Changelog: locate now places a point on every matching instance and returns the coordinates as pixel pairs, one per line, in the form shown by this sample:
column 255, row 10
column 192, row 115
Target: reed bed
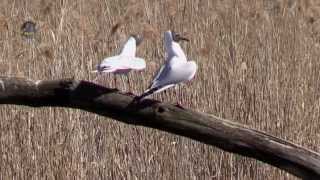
column 258, row 64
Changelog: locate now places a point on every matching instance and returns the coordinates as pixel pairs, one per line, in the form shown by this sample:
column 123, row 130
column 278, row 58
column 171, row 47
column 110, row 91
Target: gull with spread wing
column 177, row 69
column 125, row 61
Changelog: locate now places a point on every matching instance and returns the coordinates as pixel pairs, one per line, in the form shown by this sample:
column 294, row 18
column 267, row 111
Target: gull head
column 177, row 37
column 101, row 68
column 138, row 39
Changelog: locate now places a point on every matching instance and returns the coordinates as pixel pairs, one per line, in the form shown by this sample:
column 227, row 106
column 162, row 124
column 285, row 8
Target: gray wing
column 170, row 75
column 174, row 73
column 162, row 73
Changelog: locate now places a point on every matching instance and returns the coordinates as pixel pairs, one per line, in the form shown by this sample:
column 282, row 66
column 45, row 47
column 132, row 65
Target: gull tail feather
column 147, row 93
column 152, row 91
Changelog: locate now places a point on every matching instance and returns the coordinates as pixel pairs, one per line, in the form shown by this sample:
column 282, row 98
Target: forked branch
column 208, row 129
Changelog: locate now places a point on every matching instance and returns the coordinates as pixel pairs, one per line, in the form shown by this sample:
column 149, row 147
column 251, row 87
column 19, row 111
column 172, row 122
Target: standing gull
column 176, row 68
column 125, row 61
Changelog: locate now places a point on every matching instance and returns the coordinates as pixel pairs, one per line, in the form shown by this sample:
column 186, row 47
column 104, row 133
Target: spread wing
column 177, row 50
column 136, row 63
column 173, row 48
column 129, row 49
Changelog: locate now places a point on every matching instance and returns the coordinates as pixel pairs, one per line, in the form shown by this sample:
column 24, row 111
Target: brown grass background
column 258, row 65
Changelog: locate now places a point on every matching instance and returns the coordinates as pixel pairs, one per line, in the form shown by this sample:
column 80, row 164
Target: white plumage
column 124, row 62
column 176, row 68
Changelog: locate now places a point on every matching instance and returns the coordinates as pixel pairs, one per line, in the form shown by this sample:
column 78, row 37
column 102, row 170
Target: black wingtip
column 137, row 99
column 145, row 94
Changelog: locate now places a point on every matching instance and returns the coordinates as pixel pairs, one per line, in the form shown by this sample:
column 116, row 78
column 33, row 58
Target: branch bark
column 208, row 129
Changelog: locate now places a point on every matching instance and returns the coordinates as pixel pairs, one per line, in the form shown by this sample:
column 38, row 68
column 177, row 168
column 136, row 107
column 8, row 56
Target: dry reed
column 258, row 65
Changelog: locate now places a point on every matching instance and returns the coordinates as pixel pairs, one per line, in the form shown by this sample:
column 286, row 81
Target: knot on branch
column 161, row 109
column 68, row 84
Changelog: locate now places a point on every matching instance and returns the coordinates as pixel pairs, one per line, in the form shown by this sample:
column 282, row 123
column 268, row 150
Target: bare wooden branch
column 202, row 127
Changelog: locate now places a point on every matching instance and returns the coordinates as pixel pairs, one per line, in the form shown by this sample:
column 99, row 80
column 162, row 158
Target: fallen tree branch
column 202, row 127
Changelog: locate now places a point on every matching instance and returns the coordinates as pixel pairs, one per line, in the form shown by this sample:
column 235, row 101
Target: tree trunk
column 208, row 129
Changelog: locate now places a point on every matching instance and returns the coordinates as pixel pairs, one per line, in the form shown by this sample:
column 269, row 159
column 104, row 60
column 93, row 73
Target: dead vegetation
column 258, row 65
